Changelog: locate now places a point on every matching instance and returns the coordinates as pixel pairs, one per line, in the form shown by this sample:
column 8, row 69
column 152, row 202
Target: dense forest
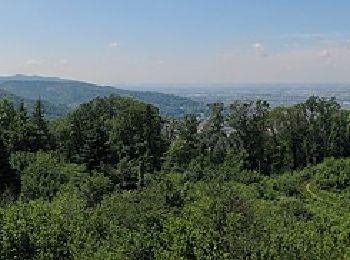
column 116, row 180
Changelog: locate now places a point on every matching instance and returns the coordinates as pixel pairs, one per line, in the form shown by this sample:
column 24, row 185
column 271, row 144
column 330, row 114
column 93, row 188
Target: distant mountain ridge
column 71, row 93
column 22, row 77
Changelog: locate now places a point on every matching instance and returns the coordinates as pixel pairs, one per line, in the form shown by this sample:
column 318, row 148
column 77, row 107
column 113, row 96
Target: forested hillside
column 72, row 93
column 115, row 180
column 51, row 110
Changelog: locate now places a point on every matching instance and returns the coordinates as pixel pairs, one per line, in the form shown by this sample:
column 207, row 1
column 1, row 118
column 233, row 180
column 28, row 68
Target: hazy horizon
column 168, row 42
column 176, row 84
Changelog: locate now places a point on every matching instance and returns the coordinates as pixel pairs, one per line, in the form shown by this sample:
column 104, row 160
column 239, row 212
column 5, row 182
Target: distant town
column 276, row 94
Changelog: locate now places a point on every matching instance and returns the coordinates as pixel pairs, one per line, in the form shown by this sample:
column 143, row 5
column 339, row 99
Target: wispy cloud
column 312, row 35
column 35, row 62
column 259, row 49
column 113, row 44
column 63, row 61
column 302, row 35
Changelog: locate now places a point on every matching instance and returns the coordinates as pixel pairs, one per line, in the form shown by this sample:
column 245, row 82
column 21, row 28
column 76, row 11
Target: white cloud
column 302, row 64
column 259, row 49
column 35, row 62
column 114, row 45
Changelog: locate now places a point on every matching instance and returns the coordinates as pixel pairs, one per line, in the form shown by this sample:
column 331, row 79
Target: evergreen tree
column 9, row 181
column 154, row 145
column 22, row 142
column 8, row 123
column 88, row 138
column 39, row 133
column 95, row 149
column 23, row 114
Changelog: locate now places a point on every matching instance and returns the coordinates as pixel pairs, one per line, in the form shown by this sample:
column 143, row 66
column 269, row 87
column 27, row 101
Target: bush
column 46, row 175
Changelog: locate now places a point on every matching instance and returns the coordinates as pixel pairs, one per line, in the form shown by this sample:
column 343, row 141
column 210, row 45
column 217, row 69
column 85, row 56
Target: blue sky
column 177, row 41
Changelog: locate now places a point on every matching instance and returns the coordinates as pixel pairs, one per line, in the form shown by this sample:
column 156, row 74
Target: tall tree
column 214, row 141
column 8, row 123
column 8, row 177
column 22, row 142
column 40, row 138
column 109, row 130
column 250, row 121
column 185, row 147
column 88, row 137
column 136, row 133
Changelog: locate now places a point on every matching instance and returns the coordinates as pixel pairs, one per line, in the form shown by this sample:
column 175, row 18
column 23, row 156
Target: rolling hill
column 51, row 110
column 72, row 93
column 22, row 77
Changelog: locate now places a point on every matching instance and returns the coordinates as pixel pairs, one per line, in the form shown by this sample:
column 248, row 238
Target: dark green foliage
column 293, row 208
column 87, row 140
column 10, row 123
column 214, row 142
column 23, row 133
column 289, row 138
column 252, row 132
column 113, row 180
column 93, row 188
column 332, row 174
column 51, row 110
column 43, row 230
column 46, row 175
column 185, row 147
column 9, row 180
column 109, row 130
column 136, row 134
column 39, row 137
